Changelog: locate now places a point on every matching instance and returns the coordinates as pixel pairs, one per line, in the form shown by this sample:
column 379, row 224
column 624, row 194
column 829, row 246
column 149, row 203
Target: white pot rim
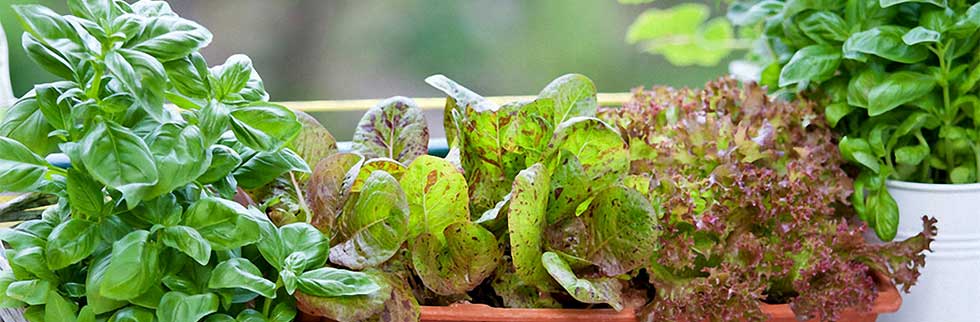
column 932, row 187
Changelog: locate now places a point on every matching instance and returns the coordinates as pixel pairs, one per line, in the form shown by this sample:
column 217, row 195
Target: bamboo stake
column 429, row 103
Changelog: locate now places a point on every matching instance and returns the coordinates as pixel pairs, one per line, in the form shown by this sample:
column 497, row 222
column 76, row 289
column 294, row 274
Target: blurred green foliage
column 311, row 49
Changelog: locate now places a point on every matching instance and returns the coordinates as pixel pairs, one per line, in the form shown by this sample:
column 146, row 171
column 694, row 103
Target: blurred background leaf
column 346, row 49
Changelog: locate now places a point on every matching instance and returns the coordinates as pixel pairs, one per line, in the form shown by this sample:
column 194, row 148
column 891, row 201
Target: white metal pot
column 949, row 288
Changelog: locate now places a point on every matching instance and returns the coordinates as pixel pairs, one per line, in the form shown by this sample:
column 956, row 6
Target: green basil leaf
column 153, row 8
column 264, row 126
column 132, row 314
column 33, row 261
column 968, row 22
column 814, row 63
column 163, row 210
column 188, row 241
column 859, row 151
column 170, row 37
column 99, row 11
column 860, row 86
column 348, row 308
column 897, row 89
column 223, row 161
column 54, row 32
column 25, row 122
column 332, row 282
column 7, row 277
column 885, row 215
column 824, row 27
column 264, row 167
column 224, row 223
column 142, row 77
column 600, row 290
column 93, row 283
column 20, row 169
column 467, row 257
column 85, row 195
column 886, row 42
column 911, row 155
column 283, row 312
column 32, row 292
column 298, row 239
column 48, row 58
column 133, row 268
column 213, row 120
column 180, row 154
column 54, row 100
column 919, row 35
column 71, row 242
column 119, row 159
column 180, row 307
column 232, row 76
column 395, row 129
column 241, row 273
column 377, row 227
column 59, row 309
column 189, row 75
column 837, row 111
column 962, row 175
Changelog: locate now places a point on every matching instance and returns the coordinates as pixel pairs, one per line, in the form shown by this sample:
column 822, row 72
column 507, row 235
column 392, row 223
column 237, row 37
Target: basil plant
column 145, row 227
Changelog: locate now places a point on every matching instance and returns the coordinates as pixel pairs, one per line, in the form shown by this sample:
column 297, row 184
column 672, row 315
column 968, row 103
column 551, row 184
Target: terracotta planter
column 888, row 301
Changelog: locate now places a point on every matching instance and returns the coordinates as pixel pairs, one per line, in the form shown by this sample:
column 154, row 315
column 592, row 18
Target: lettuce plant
column 145, row 227
column 895, row 76
column 529, row 210
column 756, row 207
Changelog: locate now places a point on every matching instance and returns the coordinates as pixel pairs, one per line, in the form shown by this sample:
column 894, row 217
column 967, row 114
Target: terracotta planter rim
column 888, row 301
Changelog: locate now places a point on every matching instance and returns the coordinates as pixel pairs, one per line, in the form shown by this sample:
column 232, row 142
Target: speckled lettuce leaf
column 532, row 129
column 376, row 228
column 395, row 128
column 325, row 192
column 591, row 156
column 458, row 99
column 574, row 95
column 517, row 294
column 469, row 255
column 314, row 142
column 348, row 308
column 586, row 290
column 623, row 229
column 394, row 168
column 488, row 165
column 437, row 196
column 526, row 223
column 402, row 306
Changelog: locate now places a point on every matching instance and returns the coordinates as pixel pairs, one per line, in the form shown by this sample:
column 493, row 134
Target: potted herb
column 145, row 228
column 899, row 81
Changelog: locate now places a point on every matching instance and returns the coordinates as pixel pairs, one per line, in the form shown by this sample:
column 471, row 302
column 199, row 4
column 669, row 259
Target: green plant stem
column 948, row 114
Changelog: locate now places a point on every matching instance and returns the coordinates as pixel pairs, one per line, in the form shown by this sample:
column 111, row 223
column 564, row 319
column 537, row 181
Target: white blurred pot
column 949, row 288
